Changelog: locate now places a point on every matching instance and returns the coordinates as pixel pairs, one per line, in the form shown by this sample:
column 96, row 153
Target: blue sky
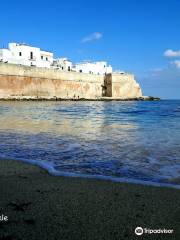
column 132, row 35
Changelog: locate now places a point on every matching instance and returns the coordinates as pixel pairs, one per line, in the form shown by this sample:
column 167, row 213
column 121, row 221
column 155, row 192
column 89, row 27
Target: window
column 20, row 54
column 42, row 57
column 80, row 71
column 69, row 69
column 31, row 55
column 46, row 59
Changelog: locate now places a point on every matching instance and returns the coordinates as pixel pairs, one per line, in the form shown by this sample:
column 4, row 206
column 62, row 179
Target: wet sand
column 40, row 206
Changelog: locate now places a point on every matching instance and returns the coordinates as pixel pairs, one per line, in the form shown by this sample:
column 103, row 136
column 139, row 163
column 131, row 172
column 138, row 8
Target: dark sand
column 40, row 206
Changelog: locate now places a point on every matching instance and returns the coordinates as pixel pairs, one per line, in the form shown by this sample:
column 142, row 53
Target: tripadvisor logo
column 139, row 231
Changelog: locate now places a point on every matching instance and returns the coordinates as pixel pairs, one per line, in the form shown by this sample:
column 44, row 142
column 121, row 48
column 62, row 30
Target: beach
column 41, row 206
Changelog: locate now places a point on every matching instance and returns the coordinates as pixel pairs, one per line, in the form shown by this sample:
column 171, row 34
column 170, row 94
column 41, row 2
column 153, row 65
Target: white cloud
column 157, row 69
column 171, row 53
column 177, row 63
column 164, row 84
column 92, row 37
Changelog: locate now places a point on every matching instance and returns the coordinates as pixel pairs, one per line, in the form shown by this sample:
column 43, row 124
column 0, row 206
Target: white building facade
column 99, row 68
column 62, row 64
column 26, row 55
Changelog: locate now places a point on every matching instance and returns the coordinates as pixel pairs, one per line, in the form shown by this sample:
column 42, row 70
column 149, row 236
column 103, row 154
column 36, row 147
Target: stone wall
column 32, row 82
column 18, row 81
column 107, row 90
column 125, row 86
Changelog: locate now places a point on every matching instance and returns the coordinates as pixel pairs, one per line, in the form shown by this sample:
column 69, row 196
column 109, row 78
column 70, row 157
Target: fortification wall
column 125, row 86
column 18, row 81
column 30, row 82
column 107, row 89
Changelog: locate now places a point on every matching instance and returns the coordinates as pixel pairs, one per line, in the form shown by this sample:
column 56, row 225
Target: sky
column 137, row 36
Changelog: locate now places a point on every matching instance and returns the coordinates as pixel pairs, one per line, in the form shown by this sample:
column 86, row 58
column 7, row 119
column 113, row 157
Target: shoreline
column 106, row 99
column 53, row 172
column 39, row 205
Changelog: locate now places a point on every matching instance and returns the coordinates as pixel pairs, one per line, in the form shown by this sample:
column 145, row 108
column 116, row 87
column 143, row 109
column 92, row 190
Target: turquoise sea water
column 122, row 141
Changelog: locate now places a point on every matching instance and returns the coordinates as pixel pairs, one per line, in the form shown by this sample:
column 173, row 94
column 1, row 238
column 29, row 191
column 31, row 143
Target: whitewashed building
column 62, row 64
column 26, row 55
column 23, row 54
column 99, row 68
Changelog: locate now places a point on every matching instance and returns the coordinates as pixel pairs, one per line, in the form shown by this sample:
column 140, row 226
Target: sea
column 122, row 141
